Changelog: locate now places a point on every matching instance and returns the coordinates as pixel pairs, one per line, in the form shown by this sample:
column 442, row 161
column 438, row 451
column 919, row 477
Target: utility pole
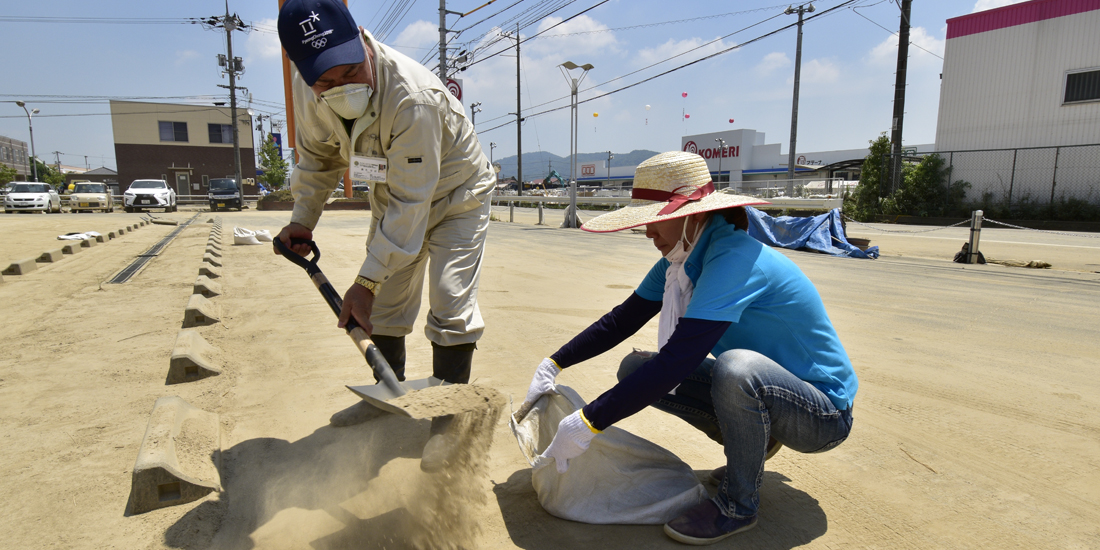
column 443, row 30
column 475, row 108
column 899, row 97
column 794, row 109
column 57, row 161
column 519, row 124
column 233, row 66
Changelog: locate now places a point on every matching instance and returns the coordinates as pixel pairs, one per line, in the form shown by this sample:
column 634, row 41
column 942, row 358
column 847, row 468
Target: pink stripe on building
column 1016, row 14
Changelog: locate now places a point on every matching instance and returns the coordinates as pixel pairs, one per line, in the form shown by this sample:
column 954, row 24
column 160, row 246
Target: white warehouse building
column 1024, row 80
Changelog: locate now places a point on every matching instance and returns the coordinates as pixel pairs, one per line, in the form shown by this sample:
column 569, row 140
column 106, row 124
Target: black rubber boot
column 393, row 350
column 450, row 364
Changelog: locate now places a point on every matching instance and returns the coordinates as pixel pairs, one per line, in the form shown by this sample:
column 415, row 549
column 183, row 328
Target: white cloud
column 419, row 34
column 982, row 5
column 772, row 62
column 648, row 56
column 886, row 52
column 577, row 36
column 264, row 45
column 184, row 56
column 818, row 71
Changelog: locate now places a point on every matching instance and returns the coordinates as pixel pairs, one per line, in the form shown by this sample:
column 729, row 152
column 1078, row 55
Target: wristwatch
column 370, row 285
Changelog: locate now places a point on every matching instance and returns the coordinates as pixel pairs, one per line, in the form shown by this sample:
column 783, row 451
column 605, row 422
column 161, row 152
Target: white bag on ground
column 244, row 236
column 263, row 235
column 621, row 478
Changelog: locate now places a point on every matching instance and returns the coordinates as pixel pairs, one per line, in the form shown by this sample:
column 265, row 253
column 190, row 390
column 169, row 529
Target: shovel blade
column 379, row 395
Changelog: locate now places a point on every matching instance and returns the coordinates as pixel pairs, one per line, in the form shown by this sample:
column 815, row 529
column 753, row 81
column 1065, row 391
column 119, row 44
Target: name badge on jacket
column 372, row 169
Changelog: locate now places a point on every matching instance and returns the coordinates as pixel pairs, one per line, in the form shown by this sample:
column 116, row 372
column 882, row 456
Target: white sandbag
column 263, row 235
column 620, row 479
column 244, row 236
column 78, row 236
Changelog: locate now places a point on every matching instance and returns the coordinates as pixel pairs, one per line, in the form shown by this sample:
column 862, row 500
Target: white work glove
column 573, row 437
column 542, row 383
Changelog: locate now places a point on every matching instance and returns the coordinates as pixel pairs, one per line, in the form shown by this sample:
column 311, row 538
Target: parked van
column 224, row 193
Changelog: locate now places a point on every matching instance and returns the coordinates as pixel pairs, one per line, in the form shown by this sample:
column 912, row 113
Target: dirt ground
column 977, row 422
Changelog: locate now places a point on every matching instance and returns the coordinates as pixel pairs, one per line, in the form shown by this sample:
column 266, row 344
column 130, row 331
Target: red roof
column 1016, row 14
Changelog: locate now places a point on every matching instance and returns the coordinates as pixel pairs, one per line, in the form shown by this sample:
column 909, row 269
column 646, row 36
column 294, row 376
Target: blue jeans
column 740, row 400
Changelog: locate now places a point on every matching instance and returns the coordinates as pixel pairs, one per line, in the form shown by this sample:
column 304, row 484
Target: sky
column 67, row 57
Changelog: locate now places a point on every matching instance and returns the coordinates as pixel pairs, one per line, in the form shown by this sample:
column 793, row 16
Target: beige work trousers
column 454, row 245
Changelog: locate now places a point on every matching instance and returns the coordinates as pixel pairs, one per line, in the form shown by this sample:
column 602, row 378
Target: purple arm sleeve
column 614, row 327
column 685, row 350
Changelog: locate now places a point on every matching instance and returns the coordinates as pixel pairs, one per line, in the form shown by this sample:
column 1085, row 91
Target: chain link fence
column 1029, row 183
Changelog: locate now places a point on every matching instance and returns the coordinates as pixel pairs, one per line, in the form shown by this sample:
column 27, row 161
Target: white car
column 144, row 194
column 88, row 196
column 32, row 197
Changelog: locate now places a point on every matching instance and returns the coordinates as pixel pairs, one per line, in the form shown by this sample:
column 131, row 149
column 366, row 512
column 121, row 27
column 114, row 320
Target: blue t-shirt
column 774, row 308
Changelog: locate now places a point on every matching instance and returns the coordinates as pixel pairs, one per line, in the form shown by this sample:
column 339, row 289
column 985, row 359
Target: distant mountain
column 538, row 164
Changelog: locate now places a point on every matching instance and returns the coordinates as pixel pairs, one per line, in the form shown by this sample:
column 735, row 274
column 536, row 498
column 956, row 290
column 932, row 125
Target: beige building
column 14, row 154
column 183, row 144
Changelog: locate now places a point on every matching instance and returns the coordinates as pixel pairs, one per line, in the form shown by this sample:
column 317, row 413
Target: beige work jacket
column 434, row 157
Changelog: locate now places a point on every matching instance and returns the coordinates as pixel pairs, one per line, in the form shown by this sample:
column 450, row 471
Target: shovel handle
column 358, row 335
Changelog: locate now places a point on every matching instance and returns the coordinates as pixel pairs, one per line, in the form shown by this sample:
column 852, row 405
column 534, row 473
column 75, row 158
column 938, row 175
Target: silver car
column 32, row 197
column 144, row 194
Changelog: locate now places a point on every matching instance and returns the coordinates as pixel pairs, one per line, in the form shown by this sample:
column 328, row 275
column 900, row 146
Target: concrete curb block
column 50, row 256
column 167, row 474
column 210, row 259
column 100, row 238
column 189, row 359
column 21, row 267
column 200, row 312
column 87, row 243
column 213, row 251
column 213, row 244
column 111, row 235
column 210, row 271
column 121, row 231
column 72, row 248
column 207, row 287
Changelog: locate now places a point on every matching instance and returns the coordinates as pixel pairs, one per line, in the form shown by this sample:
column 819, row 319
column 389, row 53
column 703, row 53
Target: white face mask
column 349, row 101
column 678, row 286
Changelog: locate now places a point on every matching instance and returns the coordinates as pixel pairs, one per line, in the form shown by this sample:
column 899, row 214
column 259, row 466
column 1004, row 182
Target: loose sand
column 977, row 423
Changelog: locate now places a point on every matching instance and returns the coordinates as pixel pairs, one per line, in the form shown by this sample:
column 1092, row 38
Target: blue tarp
column 822, row 233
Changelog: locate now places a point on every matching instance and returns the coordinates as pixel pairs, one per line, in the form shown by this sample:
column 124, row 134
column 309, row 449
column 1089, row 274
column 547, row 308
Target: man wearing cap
column 363, row 106
column 778, row 375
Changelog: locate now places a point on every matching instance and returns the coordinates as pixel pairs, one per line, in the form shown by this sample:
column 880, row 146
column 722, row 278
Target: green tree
column 925, row 190
column 865, row 202
column 46, row 173
column 7, row 174
column 274, row 166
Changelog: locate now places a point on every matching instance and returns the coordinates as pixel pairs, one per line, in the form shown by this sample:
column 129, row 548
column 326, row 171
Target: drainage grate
column 143, row 258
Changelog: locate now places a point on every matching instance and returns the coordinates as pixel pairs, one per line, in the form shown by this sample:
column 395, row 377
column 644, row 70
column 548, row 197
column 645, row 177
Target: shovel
column 378, row 395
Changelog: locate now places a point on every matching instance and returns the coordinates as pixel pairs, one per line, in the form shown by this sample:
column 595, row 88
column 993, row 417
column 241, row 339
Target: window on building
column 1082, row 86
column 221, row 133
column 173, row 131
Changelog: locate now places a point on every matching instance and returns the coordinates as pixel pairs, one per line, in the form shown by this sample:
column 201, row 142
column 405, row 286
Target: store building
column 15, row 154
column 183, row 144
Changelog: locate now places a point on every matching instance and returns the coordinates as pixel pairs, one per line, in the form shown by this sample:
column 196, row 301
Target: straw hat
column 668, row 186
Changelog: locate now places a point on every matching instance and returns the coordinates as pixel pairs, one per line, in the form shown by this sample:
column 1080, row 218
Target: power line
column 711, row 56
column 892, row 32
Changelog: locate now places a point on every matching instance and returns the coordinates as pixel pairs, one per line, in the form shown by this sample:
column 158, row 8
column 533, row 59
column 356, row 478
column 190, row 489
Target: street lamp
column 475, row 108
column 609, row 157
column 566, row 71
column 34, row 158
column 794, row 109
column 721, row 153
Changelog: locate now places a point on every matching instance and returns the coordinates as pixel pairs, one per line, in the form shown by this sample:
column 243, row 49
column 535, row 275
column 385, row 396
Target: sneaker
column 438, row 453
column 705, row 524
column 356, row 414
column 718, row 474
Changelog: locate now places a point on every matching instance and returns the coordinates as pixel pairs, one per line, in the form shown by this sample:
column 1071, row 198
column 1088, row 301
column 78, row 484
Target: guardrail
column 786, row 203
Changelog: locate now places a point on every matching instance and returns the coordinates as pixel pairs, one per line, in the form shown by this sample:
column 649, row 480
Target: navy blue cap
column 319, row 35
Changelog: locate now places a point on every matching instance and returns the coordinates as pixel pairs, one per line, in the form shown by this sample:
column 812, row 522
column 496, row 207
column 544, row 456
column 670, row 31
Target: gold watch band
column 370, row 285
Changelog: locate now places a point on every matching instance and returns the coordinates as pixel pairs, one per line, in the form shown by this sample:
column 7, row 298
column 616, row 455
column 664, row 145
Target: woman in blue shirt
column 746, row 352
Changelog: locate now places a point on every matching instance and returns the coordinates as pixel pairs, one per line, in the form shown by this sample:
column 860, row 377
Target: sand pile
column 444, row 506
